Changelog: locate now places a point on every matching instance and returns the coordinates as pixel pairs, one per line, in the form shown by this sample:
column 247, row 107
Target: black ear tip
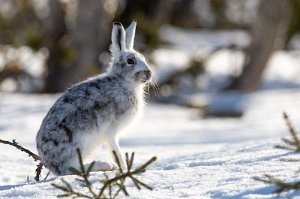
column 134, row 20
column 117, row 23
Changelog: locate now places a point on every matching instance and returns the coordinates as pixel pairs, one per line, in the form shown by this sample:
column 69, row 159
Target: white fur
column 95, row 111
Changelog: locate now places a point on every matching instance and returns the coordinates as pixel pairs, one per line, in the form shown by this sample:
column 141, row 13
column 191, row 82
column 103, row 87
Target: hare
column 93, row 112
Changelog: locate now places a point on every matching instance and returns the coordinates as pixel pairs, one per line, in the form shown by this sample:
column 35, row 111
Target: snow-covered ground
column 197, row 158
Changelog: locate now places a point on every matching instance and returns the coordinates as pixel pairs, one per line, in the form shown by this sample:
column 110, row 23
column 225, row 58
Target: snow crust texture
column 197, row 158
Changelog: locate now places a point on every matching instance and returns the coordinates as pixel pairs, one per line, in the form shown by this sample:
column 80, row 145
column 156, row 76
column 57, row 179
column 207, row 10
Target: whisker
column 155, row 88
column 146, row 89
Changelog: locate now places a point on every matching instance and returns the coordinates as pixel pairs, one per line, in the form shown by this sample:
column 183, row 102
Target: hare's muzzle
column 143, row 76
column 148, row 74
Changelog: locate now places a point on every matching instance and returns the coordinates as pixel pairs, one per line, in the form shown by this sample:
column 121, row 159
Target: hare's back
column 80, row 107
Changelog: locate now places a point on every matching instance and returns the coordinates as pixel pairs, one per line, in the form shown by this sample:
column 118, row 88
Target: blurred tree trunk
column 182, row 14
column 269, row 34
column 89, row 38
column 54, row 77
column 295, row 19
column 75, row 55
column 150, row 15
column 162, row 14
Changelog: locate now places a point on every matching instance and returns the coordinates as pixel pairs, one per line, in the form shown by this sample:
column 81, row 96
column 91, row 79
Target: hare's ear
column 117, row 39
column 130, row 34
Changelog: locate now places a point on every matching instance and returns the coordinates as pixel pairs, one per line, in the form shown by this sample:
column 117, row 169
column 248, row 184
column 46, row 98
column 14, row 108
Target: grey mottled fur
column 95, row 111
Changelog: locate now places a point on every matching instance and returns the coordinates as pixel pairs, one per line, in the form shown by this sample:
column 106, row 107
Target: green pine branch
column 280, row 185
column 111, row 187
column 292, row 144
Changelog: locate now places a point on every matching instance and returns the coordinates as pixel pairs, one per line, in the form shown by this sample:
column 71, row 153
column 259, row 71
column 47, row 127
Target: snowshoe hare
column 95, row 111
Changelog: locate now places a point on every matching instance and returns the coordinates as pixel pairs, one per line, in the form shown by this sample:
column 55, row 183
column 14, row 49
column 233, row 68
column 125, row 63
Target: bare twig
column 16, row 144
column 35, row 157
column 45, row 178
column 38, row 171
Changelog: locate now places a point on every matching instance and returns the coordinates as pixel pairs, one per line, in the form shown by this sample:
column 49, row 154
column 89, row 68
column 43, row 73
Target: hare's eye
column 130, row 61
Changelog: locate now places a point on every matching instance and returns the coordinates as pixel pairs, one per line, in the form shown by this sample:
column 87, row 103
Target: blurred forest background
column 48, row 45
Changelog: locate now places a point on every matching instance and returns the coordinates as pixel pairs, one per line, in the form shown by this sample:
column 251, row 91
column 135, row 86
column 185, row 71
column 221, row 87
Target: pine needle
column 281, row 186
column 293, row 144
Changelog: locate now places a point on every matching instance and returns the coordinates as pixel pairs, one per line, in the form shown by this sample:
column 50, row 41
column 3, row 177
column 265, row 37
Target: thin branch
column 85, row 175
column 15, row 144
column 47, row 176
column 117, row 161
column 38, row 171
column 35, row 157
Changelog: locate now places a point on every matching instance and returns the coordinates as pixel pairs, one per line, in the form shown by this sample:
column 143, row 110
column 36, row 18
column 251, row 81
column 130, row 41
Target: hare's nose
column 148, row 73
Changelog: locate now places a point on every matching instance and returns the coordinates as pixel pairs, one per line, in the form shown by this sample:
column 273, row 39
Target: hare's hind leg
column 101, row 166
column 98, row 166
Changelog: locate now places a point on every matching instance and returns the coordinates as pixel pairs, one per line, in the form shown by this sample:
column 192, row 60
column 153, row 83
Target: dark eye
column 130, row 61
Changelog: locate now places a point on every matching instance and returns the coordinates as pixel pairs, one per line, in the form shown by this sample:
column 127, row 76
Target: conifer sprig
column 280, row 185
column 293, row 145
column 111, row 187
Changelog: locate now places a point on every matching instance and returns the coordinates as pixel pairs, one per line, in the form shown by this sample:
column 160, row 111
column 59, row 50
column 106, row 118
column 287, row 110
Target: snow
column 166, row 65
column 197, row 158
column 206, row 40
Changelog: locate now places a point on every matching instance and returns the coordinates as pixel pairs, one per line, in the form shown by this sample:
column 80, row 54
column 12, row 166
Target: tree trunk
column 89, row 38
column 269, row 33
column 74, row 56
column 56, row 32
